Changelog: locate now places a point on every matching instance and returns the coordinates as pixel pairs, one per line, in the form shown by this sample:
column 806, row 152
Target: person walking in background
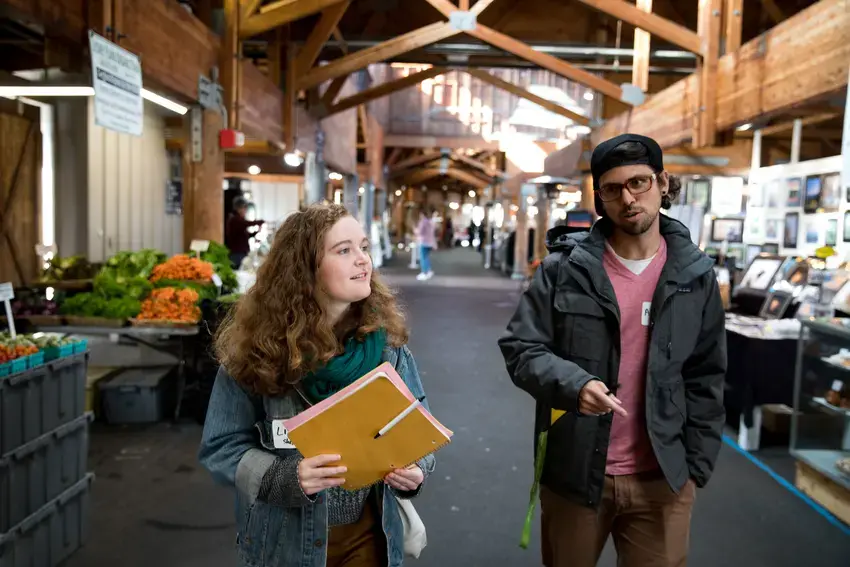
column 427, row 242
column 318, row 318
column 448, row 233
column 236, row 235
column 621, row 340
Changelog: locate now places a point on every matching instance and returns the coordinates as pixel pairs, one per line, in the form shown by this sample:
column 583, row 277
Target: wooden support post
column 231, row 62
column 203, row 198
column 521, row 240
column 796, row 140
column 275, row 59
column 734, row 18
column 709, row 33
column 640, row 66
column 290, row 95
column 544, row 207
column 587, row 201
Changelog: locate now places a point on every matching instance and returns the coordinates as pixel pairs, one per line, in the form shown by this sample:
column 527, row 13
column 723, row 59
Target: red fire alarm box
column 231, row 139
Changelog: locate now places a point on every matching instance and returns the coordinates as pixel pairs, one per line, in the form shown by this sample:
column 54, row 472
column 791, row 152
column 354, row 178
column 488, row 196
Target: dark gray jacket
column 566, row 331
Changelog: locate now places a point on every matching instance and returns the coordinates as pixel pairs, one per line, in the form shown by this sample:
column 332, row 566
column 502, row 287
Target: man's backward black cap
column 603, row 159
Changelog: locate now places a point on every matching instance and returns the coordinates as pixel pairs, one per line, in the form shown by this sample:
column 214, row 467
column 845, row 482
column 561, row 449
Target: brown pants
column 361, row 544
column 649, row 522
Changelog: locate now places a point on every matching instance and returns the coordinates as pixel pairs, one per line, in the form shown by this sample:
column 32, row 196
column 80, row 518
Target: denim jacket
column 237, row 449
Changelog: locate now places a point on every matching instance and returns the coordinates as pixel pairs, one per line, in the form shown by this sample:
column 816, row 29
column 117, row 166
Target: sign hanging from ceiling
column 117, row 81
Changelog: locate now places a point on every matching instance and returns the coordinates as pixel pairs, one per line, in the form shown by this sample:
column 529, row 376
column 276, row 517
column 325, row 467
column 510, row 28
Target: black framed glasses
column 635, row 185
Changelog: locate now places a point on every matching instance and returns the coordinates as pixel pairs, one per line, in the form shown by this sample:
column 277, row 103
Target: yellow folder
column 346, row 424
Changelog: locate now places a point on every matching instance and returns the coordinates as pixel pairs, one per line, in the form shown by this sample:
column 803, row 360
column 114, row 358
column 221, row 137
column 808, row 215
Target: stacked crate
column 44, row 484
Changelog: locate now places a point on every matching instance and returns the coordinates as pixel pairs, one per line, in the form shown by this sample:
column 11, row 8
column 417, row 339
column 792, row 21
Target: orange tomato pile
column 11, row 352
column 171, row 304
column 183, row 268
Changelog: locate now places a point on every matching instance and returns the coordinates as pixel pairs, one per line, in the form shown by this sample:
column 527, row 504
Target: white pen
column 399, row 417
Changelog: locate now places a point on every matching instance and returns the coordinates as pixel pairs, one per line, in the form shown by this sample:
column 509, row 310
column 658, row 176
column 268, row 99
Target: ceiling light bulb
column 254, row 169
column 398, row 192
column 292, row 159
column 588, row 96
column 471, row 193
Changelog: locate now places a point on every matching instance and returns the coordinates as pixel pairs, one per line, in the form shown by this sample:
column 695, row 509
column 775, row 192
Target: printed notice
column 117, row 81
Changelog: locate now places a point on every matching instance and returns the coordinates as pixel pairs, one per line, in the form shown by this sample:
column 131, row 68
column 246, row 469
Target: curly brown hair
column 277, row 333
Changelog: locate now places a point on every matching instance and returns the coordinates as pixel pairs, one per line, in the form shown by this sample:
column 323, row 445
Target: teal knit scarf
column 359, row 358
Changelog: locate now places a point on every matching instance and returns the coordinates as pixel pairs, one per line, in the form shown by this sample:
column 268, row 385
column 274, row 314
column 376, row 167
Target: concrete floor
column 153, row 505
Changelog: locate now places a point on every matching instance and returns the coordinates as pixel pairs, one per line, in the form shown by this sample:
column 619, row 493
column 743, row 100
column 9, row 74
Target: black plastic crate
column 39, row 471
column 53, row 533
column 136, row 396
column 39, row 400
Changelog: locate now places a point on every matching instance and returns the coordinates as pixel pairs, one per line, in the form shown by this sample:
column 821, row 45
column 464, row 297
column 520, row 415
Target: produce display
column 132, row 265
column 11, row 349
column 219, row 256
column 67, row 269
column 169, row 304
column 30, row 351
column 183, row 268
column 29, row 303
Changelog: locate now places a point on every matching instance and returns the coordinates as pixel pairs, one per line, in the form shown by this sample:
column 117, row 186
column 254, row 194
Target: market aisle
column 153, row 505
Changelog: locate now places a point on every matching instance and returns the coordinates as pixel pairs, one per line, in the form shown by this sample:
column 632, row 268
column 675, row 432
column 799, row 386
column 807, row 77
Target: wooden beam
column 320, row 34
column 290, row 94
column 482, row 5
column 385, row 89
column 394, row 155
column 280, row 13
column 451, row 142
column 489, row 171
column 249, row 8
column 653, row 23
column 364, row 124
column 788, row 126
column 275, row 60
column 523, row 93
column 444, row 6
column 467, row 177
column 343, row 45
column 463, row 4
column 333, row 91
column 414, row 161
column 709, row 32
column 557, row 66
column 734, row 14
column 231, row 60
column 640, row 65
column 386, row 50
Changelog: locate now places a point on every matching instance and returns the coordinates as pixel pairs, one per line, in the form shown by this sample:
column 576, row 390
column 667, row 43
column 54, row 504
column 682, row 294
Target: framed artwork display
column 761, row 272
column 793, row 186
column 792, row 228
column 830, row 196
column 812, row 232
column 770, row 248
column 772, row 228
column 756, row 195
column 831, row 232
column 775, row 306
column 729, row 230
column 813, row 194
column 698, row 193
column 771, row 194
column 846, row 227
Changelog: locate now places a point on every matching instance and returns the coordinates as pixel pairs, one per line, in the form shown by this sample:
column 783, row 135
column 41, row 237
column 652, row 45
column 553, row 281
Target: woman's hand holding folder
column 315, row 475
column 406, row 480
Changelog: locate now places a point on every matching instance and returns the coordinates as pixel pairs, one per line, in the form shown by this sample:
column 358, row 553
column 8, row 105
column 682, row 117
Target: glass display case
column 820, row 424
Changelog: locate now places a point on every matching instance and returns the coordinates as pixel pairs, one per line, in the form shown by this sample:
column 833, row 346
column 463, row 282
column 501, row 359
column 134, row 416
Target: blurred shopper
column 427, row 242
column 317, row 319
column 623, row 329
column 236, row 235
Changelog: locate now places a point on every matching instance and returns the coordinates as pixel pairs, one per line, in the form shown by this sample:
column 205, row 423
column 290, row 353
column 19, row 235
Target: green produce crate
column 53, row 353
column 81, row 346
column 19, row 365
column 5, row 369
column 36, row 359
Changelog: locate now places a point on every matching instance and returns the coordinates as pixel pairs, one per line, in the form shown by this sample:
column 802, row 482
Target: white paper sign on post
column 117, row 81
column 199, row 246
column 7, row 294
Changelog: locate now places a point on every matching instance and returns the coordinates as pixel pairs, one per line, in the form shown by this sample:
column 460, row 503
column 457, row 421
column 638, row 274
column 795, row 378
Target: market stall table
column 146, row 336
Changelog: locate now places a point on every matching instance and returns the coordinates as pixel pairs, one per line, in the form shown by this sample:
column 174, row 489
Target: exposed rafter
column 482, row 5
column 653, row 23
column 281, row 13
column 249, row 8
column 414, row 161
column 523, row 93
column 386, row 50
column 385, row 89
column 489, row 171
column 320, row 34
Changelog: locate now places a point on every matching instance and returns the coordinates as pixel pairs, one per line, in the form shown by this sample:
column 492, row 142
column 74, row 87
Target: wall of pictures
column 799, row 207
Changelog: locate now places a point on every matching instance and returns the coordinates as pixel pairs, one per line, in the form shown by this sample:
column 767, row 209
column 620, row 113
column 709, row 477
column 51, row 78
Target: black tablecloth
column 759, row 372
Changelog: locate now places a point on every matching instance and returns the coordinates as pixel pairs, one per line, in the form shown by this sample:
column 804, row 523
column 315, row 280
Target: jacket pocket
column 249, row 539
column 584, row 332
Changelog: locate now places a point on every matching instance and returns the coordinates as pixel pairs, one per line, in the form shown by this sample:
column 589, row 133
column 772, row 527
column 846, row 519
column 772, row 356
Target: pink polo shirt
column 634, row 281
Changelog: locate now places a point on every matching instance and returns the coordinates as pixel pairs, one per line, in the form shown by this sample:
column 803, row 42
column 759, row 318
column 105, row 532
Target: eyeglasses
column 636, row 185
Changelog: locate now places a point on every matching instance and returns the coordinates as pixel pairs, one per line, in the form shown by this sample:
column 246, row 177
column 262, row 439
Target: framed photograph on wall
column 812, row 232
column 831, row 232
column 792, row 228
column 846, row 227
column 770, row 248
column 793, row 188
column 698, row 193
column 729, row 230
column 813, row 194
column 771, row 194
column 755, row 196
column 830, row 196
column 772, row 228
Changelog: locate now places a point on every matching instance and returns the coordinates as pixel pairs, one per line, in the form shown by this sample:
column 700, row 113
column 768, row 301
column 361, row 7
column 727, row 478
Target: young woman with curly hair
column 316, row 320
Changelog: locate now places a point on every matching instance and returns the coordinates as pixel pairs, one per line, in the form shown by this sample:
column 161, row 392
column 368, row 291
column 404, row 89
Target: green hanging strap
column 539, row 459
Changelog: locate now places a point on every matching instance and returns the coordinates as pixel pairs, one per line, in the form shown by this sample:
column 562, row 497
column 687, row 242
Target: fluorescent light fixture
column 164, row 102
column 744, row 127
column 254, row 169
column 292, row 159
column 471, row 193
column 44, row 90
